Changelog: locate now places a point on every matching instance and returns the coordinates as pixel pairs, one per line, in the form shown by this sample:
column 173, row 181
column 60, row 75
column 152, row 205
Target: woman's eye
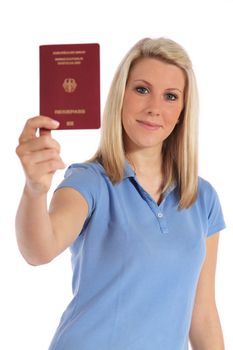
column 171, row 97
column 142, row 90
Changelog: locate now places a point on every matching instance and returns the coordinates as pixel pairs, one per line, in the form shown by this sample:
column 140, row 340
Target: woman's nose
column 154, row 106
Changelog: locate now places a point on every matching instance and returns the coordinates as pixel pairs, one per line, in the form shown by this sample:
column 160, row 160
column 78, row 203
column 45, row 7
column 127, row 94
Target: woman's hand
column 39, row 155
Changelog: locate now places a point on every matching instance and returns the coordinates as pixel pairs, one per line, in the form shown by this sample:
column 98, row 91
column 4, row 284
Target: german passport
column 70, row 85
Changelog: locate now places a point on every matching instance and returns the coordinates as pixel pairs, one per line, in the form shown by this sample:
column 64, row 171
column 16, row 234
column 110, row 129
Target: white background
column 33, row 298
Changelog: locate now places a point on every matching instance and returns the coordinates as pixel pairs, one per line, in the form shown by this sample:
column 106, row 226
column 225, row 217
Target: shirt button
column 160, row 215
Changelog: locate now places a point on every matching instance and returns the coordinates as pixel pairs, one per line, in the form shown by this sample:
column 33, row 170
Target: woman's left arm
column 205, row 331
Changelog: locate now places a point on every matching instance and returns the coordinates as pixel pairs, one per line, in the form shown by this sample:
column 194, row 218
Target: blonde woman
column 142, row 227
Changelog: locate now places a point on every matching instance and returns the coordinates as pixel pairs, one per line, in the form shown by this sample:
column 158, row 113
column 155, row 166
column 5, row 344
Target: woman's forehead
column 155, row 70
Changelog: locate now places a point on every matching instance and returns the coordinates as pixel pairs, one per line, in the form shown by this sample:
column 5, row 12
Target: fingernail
column 55, row 122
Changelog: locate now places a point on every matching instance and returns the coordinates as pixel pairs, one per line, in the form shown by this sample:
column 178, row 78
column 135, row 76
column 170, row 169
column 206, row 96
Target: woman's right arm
column 42, row 234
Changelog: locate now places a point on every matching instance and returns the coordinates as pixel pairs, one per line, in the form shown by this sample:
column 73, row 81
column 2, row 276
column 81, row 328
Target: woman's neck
column 148, row 168
column 146, row 162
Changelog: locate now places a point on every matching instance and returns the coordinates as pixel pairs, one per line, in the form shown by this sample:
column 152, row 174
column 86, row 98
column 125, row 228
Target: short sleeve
column 214, row 212
column 82, row 178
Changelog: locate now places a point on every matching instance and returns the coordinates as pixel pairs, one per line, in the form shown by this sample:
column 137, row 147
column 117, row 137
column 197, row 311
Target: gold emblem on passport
column 69, row 85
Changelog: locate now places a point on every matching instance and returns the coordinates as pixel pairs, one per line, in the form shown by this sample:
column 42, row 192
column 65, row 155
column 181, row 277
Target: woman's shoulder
column 205, row 187
column 85, row 169
column 86, row 178
column 83, row 175
column 203, row 183
column 210, row 207
column 207, row 193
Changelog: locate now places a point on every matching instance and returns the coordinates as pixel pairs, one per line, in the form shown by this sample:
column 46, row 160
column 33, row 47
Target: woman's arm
column 43, row 234
column 205, row 331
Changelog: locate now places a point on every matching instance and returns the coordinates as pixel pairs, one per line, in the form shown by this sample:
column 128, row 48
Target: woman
column 142, row 227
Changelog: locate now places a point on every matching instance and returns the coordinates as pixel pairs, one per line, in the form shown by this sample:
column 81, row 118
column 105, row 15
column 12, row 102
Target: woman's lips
column 149, row 125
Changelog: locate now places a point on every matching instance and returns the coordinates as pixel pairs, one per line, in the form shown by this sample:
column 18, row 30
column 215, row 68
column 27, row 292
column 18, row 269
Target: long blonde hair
column 180, row 154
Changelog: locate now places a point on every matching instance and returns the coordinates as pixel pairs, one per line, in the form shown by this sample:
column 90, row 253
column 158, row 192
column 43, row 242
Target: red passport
column 70, row 85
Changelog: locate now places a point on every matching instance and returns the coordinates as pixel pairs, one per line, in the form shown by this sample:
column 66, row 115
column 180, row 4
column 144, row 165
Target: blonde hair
column 179, row 150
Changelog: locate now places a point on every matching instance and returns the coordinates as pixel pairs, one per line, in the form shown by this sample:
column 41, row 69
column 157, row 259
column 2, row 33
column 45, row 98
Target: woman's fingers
column 38, row 144
column 33, row 124
column 39, row 157
column 39, row 154
column 38, row 173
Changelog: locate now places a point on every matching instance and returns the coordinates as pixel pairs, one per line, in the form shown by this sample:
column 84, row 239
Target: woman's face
column 153, row 101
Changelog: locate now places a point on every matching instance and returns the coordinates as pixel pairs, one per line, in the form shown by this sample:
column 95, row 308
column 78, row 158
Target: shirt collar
column 128, row 170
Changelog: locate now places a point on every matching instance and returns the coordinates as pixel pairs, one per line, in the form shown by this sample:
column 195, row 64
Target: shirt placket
column 158, row 210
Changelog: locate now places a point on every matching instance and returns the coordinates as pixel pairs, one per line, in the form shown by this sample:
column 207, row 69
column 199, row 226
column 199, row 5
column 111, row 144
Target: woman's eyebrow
column 174, row 89
column 143, row 81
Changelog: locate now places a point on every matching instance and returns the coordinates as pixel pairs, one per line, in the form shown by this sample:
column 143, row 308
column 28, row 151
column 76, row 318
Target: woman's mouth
column 149, row 125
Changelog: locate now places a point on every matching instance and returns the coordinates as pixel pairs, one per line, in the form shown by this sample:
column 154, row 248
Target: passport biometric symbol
column 69, row 85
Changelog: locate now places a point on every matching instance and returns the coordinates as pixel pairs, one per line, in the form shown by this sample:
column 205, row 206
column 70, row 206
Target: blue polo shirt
column 136, row 264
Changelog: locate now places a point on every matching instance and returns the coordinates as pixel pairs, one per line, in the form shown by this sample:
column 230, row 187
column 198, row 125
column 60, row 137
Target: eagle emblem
column 69, row 85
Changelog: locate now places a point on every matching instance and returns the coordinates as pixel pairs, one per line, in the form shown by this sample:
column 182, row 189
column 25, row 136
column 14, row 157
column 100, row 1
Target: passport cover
column 70, row 85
